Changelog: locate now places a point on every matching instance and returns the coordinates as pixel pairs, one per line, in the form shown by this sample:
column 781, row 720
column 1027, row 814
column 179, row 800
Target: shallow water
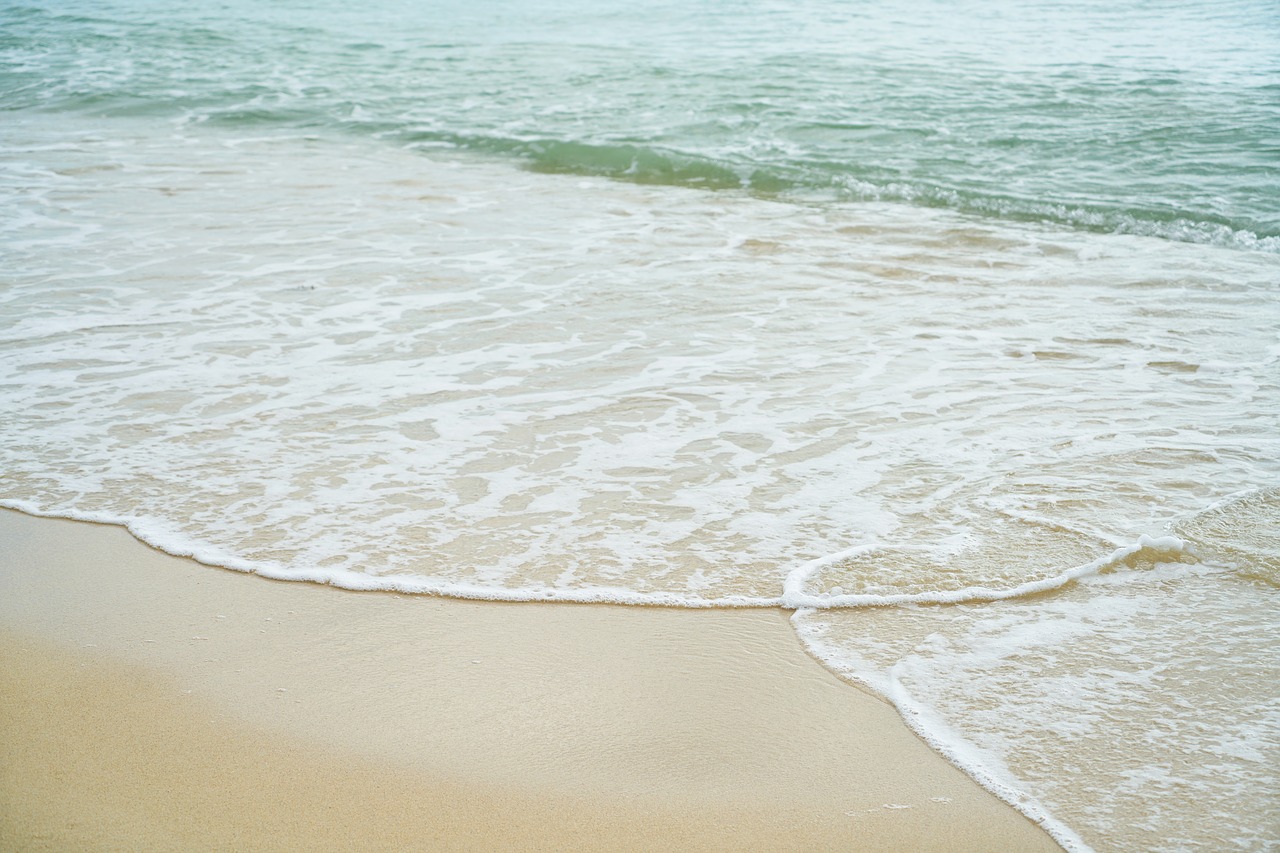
column 1013, row 469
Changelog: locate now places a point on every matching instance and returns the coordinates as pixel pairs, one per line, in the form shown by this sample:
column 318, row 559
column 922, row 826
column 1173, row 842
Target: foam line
column 170, row 542
column 794, row 598
column 985, row 769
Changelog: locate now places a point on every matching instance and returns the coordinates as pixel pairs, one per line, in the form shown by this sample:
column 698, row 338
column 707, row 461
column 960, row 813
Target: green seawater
column 1160, row 119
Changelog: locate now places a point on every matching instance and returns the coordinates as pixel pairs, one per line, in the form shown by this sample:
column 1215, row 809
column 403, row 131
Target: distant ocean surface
column 953, row 327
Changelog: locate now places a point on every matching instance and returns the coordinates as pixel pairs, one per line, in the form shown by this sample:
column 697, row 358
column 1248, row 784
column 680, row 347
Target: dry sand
column 149, row 702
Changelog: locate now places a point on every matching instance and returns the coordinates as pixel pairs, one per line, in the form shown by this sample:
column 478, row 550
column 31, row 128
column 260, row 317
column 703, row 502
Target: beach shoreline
column 149, row 700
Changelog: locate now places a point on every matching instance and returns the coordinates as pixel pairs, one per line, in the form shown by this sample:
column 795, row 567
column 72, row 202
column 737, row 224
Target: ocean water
column 953, row 328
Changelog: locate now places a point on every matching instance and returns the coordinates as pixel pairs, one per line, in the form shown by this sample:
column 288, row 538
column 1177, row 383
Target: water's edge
column 915, row 716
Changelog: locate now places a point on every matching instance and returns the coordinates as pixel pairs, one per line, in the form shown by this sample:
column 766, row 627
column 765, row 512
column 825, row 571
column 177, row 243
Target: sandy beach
column 699, row 426
column 150, row 702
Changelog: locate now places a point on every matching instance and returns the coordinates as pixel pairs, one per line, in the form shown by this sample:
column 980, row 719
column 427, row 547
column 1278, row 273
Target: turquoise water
column 953, row 329
column 1139, row 117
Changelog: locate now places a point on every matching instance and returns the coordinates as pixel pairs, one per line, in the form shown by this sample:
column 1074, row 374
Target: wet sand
column 149, row 702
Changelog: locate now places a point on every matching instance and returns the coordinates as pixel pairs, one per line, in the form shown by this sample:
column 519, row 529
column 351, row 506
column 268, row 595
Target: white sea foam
column 795, row 598
column 1128, row 707
column 954, row 447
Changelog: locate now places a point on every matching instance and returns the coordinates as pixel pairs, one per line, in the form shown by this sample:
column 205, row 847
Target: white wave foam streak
column 1136, row 707
column 175, row 542
column 984, row 766
column 794, row 597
